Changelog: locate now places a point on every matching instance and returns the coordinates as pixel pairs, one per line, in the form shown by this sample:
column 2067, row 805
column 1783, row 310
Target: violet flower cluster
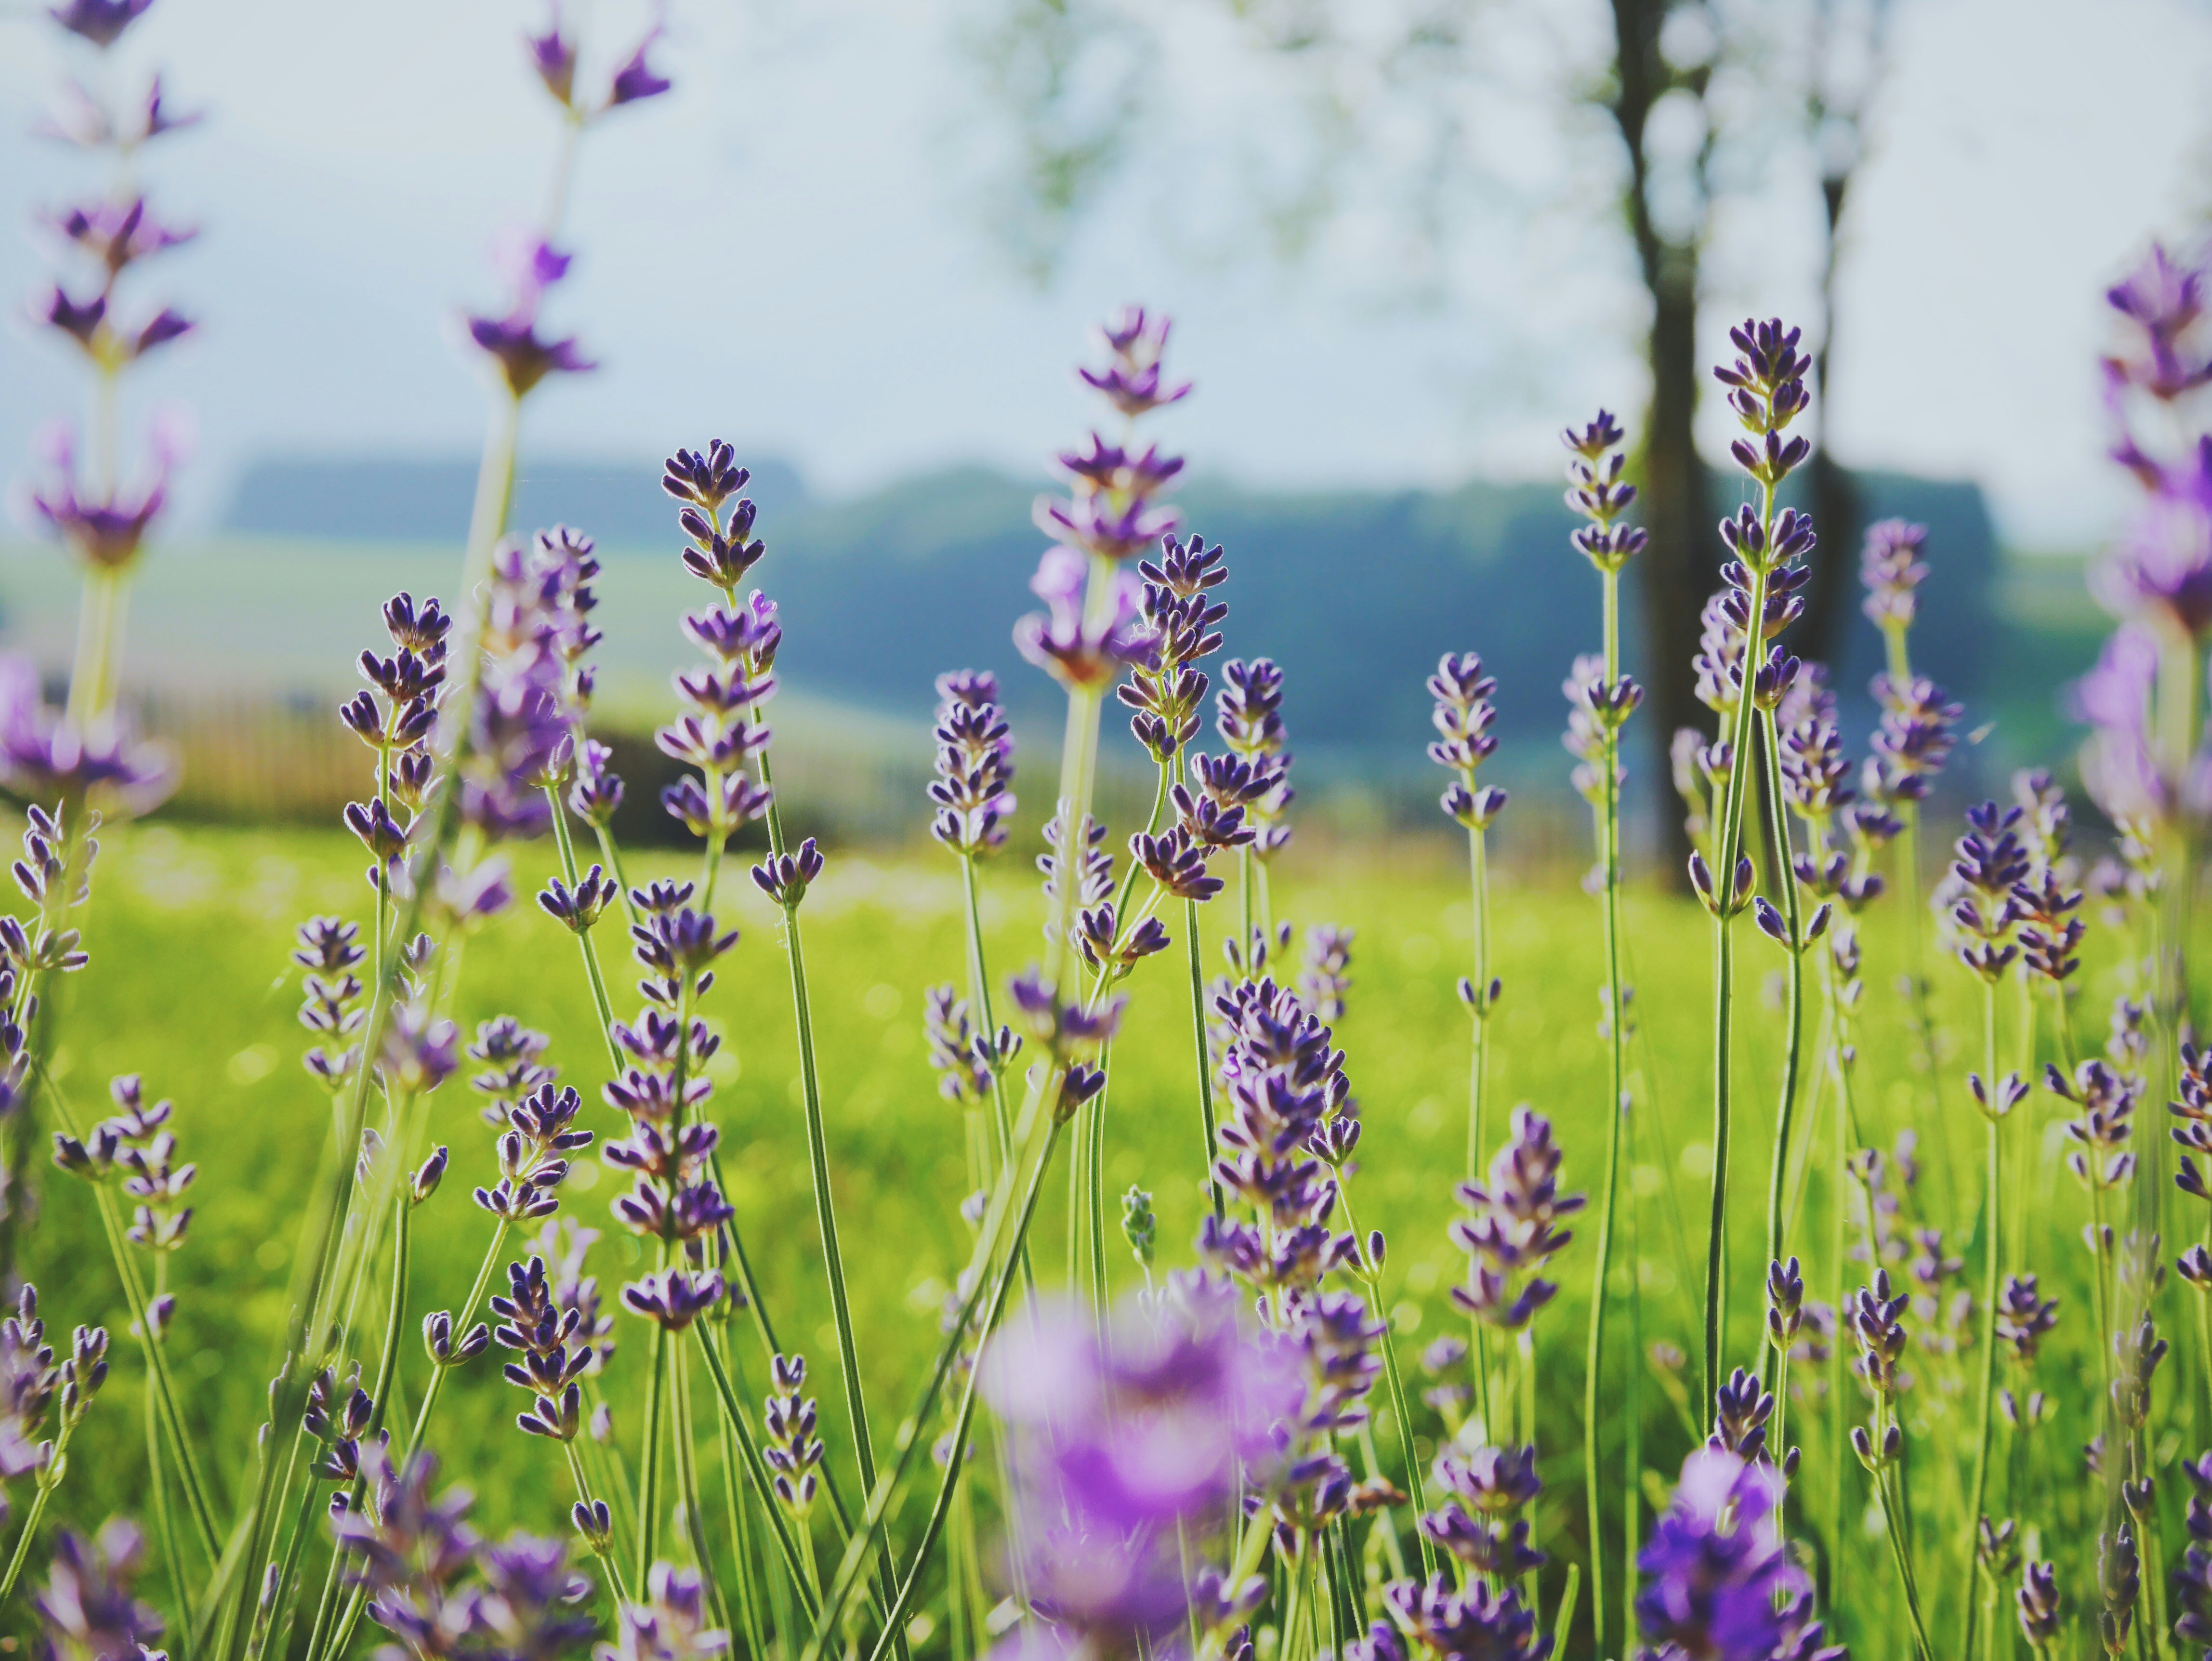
column 1129, row 1442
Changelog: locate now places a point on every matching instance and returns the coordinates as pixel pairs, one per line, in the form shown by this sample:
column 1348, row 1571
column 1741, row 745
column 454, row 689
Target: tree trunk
column 1826, row 624
column 1679, row 565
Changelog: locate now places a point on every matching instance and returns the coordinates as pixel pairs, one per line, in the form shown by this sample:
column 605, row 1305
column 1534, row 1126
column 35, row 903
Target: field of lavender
column 1105, row 1231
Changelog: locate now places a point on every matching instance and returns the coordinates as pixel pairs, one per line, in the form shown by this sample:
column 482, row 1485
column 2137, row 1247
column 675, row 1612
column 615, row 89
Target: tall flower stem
column 741, row 1541
column 825, row 1214
column 1992, row 1257
column 687, row 1484
column 157, row 1364
column 965, row 1417
column 1616, row 1112
column 1770, row 747
column 1727, row 846
column 757, row 1475
column 979, row 989
column 910, row 1436
column 1370, row 1272
column 648, row 1496
column 600, row 1002
column 334, row 1192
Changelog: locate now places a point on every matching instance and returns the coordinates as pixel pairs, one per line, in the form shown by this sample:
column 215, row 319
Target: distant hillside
column 392, row 500
column 1355, row 593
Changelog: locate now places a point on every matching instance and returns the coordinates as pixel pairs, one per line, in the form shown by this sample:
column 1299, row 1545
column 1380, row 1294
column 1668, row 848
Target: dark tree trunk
column 1835, row 505
column 1679, row 564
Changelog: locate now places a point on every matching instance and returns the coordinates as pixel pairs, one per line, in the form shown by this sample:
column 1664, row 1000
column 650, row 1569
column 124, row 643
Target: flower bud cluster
column 138, row 1144
column 395, row 715
column 791, row 1448
column 1463, row 717
column 973, row 788
column 1248, row 715
column 1483, row 1521
column 718, row 730
column 1166, row 688
column 516, row 352
column 1991, row 866
column 1091, row 629
column 1511, row 1232
column 965, row 1061
column 554, row 54
column 104, row 523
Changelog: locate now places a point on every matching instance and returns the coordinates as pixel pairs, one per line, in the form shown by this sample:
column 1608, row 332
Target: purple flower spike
column 101, row 21
column 1719, row 1580
column 673, row 1298
column 1081, row 646
column 670, row 1625
column 974, row 765
column 553, row 55
column 531, row 265
column 87, row 1607
column 636, row 80
column 1131, row 382
column 785, row 878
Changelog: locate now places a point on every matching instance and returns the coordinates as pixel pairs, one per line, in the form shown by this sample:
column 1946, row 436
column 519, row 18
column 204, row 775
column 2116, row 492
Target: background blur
column 864, row 243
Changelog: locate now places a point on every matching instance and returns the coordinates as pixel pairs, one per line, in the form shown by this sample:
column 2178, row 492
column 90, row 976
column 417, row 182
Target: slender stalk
column 1890, row 1488
column 1370, row 1272
column 758, row 1477
column 600, row 1002
column 1726, row 845
column 741, row 1543
column 437, row 1382
column 648, row 1498
column 687, row 1483
column 1770, row 747
column 1992, row 1255
column 979, row 991
column 1205, row 1067
column 910, row 1436
column 1616, row 1112
column 825, row 1219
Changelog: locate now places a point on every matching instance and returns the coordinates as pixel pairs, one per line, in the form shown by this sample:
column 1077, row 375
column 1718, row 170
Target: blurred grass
column 190, row 985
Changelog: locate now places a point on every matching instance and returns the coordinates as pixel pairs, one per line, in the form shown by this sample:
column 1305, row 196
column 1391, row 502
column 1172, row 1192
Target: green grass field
column 191, row 986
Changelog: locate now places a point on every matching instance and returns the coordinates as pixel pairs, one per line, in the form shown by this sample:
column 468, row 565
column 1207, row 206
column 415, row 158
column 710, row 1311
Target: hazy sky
column 789, row 250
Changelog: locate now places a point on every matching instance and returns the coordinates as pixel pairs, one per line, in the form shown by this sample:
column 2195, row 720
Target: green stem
column 1726, row 845
column 1785, row 1113
column 1205, row 1067
column 615, row 1580
column 687, row 1483
column 825, row 1219
column 1370, row 1271
column 1992, row 1253
column 741, row 1543
column 1616, row 1112
column 648, row 1499
column 600, row 1002
column 757, row 1477
column 911, row 1437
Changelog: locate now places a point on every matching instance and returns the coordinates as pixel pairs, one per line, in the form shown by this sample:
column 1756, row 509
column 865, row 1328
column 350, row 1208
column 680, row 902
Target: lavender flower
column 1091, row 629
column 101, row 21
column 1891, row 567
column 87, row 1611
column 47, row 755
column 792, row 1449
column 2163, row 567
column 719, row 731
column 1482, row 1523
column 1328, row 975
column 2107, row 1103
column 553, row 55
column 1720, row 1581
column 974, row 786
column 518, row 354
column 542, row 1331
column 1913, row 740
column 1249, row 716
column 410, row 1558
column 2039, row 1605
column 1513, row 1232
column 670, row 1625
column 1166, row 689
column 1128, row 1437
column 1463, row 716
column 1990, row 865
column 1472, row 1623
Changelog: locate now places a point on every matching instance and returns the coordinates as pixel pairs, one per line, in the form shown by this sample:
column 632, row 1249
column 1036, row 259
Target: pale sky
column 788, row 251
